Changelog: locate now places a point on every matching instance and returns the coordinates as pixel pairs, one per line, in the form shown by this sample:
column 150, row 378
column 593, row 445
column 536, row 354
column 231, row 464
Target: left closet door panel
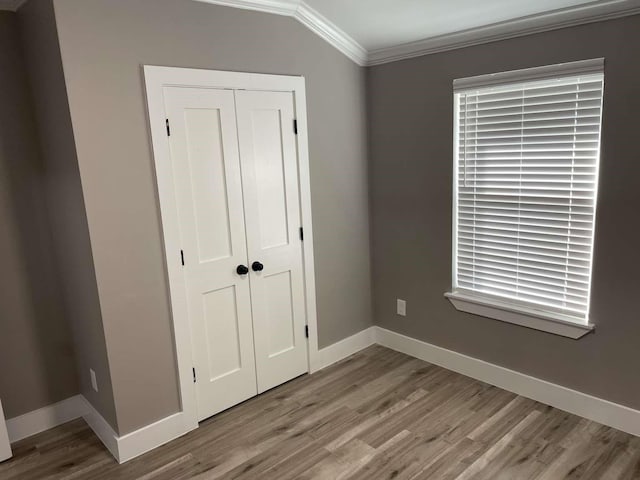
column 208, row 185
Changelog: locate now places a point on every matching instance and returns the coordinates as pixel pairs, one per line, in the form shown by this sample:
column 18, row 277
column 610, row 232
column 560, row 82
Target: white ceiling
column 371, row 32
column 377, row 24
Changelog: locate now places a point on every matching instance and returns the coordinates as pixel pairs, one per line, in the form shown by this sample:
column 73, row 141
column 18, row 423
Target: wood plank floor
column 376, row 415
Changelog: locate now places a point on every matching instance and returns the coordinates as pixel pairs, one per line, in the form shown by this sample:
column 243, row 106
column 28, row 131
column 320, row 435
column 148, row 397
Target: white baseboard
column 129, row 446
column 126, row 447
column 45, row 418
column 343, row 349
column 587, row 406
column 101, row 428
column 152, row 436
column 123, row 448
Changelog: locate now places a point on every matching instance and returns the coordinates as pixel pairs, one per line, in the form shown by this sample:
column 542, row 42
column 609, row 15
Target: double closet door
column 235, row 169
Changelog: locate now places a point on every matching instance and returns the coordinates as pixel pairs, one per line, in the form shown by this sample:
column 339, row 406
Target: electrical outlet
column 401, row 308
column 94, row 380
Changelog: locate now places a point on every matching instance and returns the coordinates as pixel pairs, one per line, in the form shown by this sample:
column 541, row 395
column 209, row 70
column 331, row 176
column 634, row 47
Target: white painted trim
column 101, row 428
column 152, row 436
column 344, row 348
column 5, row 446
column 557, row 323
column 595, row 11
column 304, row 187
column 587, row 406
column 309, row 17
column 330, row 32
column 132, row 445
column 567, row 17
column 156, row 78
column 45, row 418
column 519, row 27
column 11, row 5
column 126, row 447
column 546, row 72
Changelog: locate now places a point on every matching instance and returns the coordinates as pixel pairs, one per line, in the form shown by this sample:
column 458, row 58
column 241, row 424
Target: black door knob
column 242, row 270
column 257, row 266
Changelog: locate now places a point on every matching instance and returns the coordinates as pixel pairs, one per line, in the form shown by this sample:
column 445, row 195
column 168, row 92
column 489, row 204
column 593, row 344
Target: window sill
column 527, row 317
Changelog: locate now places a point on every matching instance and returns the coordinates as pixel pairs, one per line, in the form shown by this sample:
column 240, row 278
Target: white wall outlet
column 401, row 308
column 94, row 381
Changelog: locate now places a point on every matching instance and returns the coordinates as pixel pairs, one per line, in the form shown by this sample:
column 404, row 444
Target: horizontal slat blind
column 526, row 176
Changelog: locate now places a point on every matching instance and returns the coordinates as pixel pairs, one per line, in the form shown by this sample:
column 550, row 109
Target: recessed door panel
column 279, row 313
column 268, row 154
column 269, row 177
column 222, row 331
column 208, row 190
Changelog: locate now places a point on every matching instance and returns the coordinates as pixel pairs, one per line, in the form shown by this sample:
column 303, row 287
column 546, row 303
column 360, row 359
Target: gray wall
column 411, row 117
column 103, row 45
column 36, row 352
column 63, row 192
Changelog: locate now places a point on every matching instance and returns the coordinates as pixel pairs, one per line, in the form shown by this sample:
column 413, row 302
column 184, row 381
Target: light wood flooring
column 376, row 415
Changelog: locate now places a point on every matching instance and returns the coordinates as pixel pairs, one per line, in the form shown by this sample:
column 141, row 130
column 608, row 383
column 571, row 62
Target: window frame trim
column 505, row 311
column 546, row 72
column 497, row 308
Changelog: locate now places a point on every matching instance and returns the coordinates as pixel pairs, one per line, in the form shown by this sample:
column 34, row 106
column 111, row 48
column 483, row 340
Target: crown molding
column 596, row 11
column 11, row 5
column 567, row 17
column 309, row 17
column 327, row 30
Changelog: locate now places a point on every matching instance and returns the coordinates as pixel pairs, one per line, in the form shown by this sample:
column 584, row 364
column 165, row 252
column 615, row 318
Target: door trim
column 156, row 79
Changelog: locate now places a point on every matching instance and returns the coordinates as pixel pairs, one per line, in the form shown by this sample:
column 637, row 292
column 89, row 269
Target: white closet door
column 206, row 169
column 268, row 154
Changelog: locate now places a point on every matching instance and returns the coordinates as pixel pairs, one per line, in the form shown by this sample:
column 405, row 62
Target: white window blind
column 527, row 151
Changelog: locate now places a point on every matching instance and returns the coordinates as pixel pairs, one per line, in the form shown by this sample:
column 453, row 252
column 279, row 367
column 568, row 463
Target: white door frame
column 156, row 79
column 5, row 447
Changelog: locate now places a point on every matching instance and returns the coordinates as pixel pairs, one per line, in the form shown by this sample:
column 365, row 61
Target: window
column 527, row 147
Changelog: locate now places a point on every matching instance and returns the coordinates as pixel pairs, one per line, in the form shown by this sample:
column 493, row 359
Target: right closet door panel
column 268, row 157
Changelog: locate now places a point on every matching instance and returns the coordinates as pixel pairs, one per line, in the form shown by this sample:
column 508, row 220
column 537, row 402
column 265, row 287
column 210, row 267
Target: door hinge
column 168, row 128
column 194, row 375
column 302, row 234
column 182, row 257
column 295, row 127
column 306, row 331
